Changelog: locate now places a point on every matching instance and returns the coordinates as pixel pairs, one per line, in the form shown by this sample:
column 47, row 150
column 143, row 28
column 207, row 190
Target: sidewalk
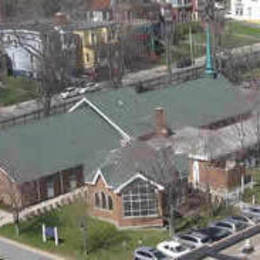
column 10, row 249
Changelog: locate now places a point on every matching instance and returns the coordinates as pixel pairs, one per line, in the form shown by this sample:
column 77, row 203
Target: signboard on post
column 50, row 232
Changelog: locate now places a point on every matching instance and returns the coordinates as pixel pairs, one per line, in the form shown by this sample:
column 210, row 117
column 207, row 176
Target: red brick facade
column 116, row 215
column 36, row 191
column 217, row 178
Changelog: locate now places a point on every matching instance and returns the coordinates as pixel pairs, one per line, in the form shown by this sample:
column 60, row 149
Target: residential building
column 95, row 39
column 23, row 47
column 99, row 11
column 245, row 9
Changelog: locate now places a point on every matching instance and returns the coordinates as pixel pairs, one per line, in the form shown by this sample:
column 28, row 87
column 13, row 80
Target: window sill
column 149, row 216
column 101, row 209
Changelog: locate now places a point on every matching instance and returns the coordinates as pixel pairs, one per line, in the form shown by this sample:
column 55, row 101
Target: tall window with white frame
column 140, row 199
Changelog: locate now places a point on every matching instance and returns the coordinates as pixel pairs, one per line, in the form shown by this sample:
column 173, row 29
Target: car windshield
column 159, row 255
column 255, row 210
column 205, row 240
column 180, row 248
column 240, row 218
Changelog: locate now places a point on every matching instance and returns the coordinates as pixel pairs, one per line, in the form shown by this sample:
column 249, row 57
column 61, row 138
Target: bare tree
column 55, row 60
column 12, row 196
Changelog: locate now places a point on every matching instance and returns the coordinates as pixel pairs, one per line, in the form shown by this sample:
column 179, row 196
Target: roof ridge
column 125, row 136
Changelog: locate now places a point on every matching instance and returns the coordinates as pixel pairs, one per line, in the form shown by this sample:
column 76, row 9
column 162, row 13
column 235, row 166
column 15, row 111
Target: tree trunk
column 171, row 221
column 16, row 223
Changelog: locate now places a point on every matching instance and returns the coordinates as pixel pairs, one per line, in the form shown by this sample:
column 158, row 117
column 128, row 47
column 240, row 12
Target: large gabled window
column 140, row 199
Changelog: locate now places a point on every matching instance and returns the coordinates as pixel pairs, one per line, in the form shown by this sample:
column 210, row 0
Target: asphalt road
column 15, row 251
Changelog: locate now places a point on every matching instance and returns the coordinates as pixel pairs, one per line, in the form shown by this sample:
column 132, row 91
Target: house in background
column 245, row 9
column 23, row 46
column 16, row 42
column 95, row 39
column 99, row 11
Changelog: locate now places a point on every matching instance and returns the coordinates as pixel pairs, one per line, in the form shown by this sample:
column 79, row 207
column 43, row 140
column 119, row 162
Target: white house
column 24, row 46
column 245, row 9
column 19, row 46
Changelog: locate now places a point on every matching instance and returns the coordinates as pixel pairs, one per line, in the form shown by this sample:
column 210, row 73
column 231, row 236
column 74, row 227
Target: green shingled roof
column 193, row 103
column 56, row 143
column 83, row 137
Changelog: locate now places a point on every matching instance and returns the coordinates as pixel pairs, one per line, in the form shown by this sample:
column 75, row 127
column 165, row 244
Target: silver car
column 149, row 253
column 249, row 221
column 193, row 239
column 229, row 225
column 251, row 211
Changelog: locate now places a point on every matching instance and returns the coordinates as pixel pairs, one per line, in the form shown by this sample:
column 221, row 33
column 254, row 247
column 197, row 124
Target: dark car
column 149, row 253
column 184, row 62
column 214, row 233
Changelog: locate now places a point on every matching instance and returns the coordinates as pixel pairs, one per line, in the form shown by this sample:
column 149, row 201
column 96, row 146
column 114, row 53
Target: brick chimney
column 160, row 122
column 60, row 19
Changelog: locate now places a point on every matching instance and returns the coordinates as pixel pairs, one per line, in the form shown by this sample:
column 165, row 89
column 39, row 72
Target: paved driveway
column 11, row 250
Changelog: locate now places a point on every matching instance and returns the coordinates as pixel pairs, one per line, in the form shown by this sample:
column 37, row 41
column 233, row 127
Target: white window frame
column 133, row 198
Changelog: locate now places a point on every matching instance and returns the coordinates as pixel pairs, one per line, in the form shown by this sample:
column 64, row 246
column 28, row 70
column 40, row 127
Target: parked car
column 193, row 239
column 68, row 92
column 251, row 211
column 149, row 253
column 229, row 225
column 184, row 62
column 173, row 249
column 244, row 219
column 89, row 87
column 214, row 233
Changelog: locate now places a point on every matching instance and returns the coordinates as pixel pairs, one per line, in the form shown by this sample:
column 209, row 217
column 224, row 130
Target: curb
column 31, row 249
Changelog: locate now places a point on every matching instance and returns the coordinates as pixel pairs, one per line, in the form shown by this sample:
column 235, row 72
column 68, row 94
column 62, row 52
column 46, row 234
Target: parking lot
column 235, row 250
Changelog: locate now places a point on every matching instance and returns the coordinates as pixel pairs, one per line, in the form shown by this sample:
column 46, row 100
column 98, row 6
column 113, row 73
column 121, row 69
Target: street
column 10, row 250
column 128, row 79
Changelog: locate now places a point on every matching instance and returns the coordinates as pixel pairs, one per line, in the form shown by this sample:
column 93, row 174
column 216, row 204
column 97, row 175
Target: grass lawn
column 17, row 90
column 104, row 240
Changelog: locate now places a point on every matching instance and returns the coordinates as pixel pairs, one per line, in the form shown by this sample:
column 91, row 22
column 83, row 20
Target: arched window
column 103, row 200
column 97, row 200
column 110, row 203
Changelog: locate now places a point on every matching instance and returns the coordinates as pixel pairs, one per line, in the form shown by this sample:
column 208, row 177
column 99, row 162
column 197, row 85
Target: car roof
column 144, row 248
column 171, row 243
column 197, row 234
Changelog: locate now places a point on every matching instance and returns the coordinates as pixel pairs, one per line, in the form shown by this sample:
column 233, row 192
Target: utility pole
column 168, row 43
column 191, row 48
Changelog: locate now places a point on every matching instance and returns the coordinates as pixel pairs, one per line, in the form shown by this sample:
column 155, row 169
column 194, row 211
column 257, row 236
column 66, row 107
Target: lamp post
column 83, row 229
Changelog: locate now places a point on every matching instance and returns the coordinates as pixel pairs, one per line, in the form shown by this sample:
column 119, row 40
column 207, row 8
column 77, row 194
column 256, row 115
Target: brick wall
column 36, row 190
column 217, row 177
column 116, row 215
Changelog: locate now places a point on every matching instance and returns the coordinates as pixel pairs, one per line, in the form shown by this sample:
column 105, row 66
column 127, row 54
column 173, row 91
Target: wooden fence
column 158, row 82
